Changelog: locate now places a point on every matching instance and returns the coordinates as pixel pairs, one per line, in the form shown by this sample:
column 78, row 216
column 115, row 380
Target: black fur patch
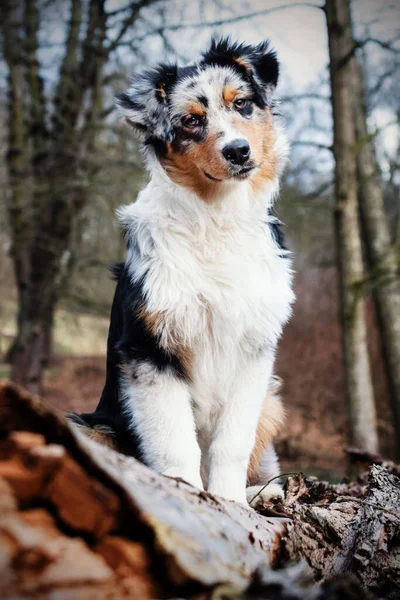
column 135, row 342
column 159, row 145
column 277, row 233
column 129, row 341
column 183, row 137
column 264, row 66
column 126, row 101
column 116, row 270
column 187, row 72
column 164, row 77
column 203, row 100
column 247, row 109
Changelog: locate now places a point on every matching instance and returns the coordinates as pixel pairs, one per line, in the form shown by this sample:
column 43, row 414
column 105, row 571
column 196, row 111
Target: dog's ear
column 145, row 103
column 258, row 63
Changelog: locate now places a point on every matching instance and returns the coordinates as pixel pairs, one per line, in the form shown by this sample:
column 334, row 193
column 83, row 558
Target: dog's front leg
column 235, row 432
column 162, row 419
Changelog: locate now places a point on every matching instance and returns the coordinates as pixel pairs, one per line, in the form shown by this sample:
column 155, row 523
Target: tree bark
column 17, row 159
column 78, row 520
column 350, row 532
column 60, row 192
column 55, row 159
column 27, row 353
column 384, row 263
column 348, row 239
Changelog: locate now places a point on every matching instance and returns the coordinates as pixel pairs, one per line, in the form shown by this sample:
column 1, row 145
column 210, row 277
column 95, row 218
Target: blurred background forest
column 68, row 162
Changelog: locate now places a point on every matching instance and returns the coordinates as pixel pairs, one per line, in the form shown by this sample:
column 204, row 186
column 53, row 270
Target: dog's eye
column 240, row 102
column 192, row 121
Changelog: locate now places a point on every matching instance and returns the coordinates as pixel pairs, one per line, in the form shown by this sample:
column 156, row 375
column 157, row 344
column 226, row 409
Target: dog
column 206, row 286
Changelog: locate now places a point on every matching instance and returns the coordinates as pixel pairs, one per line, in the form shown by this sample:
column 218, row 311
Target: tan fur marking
column 101, row 434
column 185, row 355
column 154, row 323
column 195, row 108
column 271, row 419
column 162, row 91
column 229, row 93
column 243, row 63
column 262, row 141
column 188, row 169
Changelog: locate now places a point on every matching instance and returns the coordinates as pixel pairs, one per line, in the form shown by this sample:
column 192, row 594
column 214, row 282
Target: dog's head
column 210, row 122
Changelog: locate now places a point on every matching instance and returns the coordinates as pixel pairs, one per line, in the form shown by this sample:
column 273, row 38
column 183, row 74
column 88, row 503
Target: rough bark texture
column 50, row 160
column 350, row 259
column 384, row 277
column 352, row 533
column 128, row 515
column 17, row 159
column 42, row 214
column 78, row 520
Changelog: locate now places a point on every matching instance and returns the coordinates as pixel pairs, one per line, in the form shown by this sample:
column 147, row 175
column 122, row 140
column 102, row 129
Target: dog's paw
column 258, row 495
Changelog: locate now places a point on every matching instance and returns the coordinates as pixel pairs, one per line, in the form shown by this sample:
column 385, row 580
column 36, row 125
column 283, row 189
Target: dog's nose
column 237, row 152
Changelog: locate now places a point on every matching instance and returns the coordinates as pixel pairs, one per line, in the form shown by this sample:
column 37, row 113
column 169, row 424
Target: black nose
column 237, row 152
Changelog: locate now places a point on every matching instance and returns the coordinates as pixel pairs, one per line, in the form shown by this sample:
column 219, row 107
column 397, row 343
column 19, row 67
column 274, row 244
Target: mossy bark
column 384, row 262
column 42, row 215
column 348, row 237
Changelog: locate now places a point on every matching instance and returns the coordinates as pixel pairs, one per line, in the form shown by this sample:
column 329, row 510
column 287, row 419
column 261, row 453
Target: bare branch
column 386, row 45
column 381, row 80
column 117, row 11
column 299, row 97
column 107, row 111
column 237, row 19
column 312, row 145
column 389, row 45
column 319, row 190
column 135, row 9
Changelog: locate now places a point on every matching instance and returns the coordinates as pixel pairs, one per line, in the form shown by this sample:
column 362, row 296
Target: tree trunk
column 33, row 343
column 60, row 192
column 28, row 351
column 349, row 249
column 17, row 159
column 81, row 521
column 49, row 163
column 384, row 263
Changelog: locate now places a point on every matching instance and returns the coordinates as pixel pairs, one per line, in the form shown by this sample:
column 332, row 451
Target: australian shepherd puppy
column 207, row 284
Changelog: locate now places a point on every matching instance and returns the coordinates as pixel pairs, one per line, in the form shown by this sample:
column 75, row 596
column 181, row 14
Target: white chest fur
column 214, row 273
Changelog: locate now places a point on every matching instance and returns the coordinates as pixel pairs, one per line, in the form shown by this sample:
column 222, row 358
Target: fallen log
column 79, row 520
column 341, row 532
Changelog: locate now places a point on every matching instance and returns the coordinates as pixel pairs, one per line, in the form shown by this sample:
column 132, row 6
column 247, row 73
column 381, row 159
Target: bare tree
column 350, row 259
column 17, row 157
column 47, row 213
column 384, row 275
column 48, row 159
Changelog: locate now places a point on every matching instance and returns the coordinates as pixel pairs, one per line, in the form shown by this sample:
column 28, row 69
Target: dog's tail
column 94, row 429
column 108, row 430
column 271, row 419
